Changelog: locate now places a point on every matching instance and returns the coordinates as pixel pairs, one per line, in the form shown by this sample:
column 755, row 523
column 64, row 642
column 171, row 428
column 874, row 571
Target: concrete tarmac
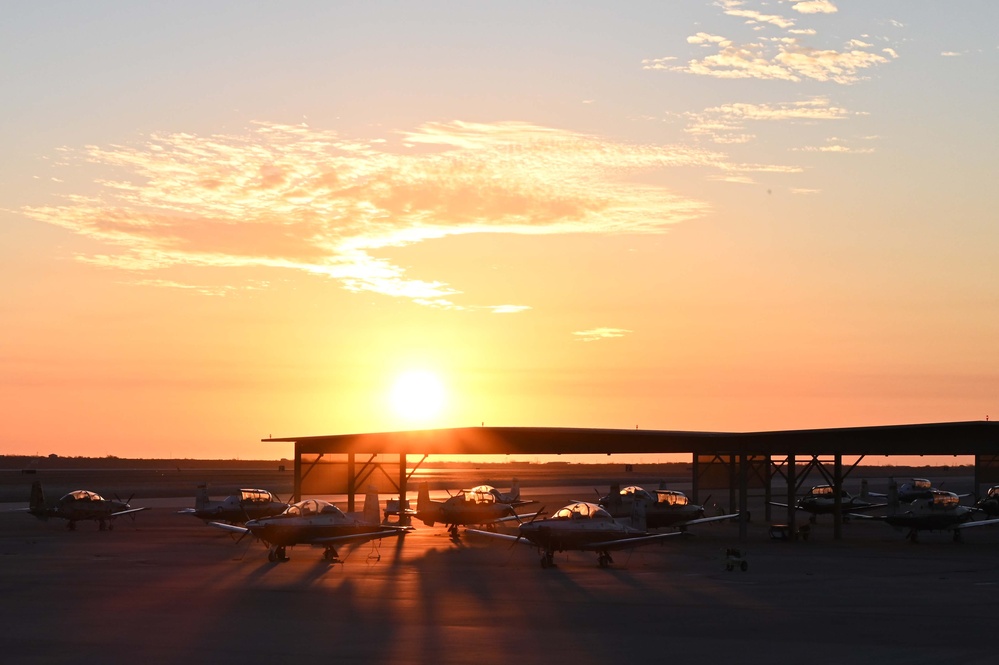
column 164, row 588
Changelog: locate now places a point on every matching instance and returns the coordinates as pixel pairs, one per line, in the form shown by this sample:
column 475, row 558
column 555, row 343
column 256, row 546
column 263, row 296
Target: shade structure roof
column 954, row 438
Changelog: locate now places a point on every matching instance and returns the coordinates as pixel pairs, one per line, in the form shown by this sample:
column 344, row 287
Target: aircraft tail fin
column 424, row 507
column 372, row 511
column 892, row 495
column 638, row 513
column 37, row 501
column 514, row 494
column 201, row 497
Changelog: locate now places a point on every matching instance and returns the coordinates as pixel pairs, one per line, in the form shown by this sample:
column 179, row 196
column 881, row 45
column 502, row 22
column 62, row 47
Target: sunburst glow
column 418, row 395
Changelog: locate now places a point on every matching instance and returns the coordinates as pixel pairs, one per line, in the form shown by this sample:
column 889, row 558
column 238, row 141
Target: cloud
column 303, row 199
column 785, row 58
column 727, row 123
column 815, row 7
column 792, row 62
column 597, row 334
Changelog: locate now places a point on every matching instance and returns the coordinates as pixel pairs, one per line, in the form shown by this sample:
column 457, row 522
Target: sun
column 418, row 395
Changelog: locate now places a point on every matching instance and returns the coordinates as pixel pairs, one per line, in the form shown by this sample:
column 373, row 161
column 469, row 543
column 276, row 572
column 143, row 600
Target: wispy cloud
column 597, row 334
column 815, row 7
column 727, row 123
column 785, row 58
column 303, row 199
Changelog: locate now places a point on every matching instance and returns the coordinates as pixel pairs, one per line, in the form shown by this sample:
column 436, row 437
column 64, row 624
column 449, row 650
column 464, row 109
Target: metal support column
column 743, row 496
column 768, row 489
column 296, row 492
column 837, row 496
column 351, row 482
column 403, row 517
column 694, row 481
column 792, row 485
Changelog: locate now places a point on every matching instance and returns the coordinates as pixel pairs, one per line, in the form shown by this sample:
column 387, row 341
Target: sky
column 226, row 221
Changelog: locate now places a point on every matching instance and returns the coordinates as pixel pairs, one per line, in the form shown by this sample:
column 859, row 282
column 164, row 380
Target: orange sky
column 724, row 216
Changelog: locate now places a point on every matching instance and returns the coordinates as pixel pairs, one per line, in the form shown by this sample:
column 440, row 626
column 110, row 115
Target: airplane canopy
column 312, row 507
column 480, row 494
column 633, row 491
column 582, row 510
column 941, row 500
column 672, row 498
column 256, row 496
column 82, row 495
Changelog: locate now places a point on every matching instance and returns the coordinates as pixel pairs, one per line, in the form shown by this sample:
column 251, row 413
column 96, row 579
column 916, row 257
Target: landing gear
column 958, row 538
column 330, row 555
column 548, row 560
column 604, row 559
column 452, row 531
column 276, row 554
column 913, row 536
column 71, row 525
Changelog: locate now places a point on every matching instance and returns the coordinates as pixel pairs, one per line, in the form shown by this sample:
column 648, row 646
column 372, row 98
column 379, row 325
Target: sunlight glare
column 418, row 395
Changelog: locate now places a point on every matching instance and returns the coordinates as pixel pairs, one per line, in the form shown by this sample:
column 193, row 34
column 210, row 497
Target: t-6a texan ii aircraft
column 821, row 500
column 249, row 504
column 79, row 505
column 939, row 511
column 663, row 507
column 316, row 522
column 477, row 506
column 586, row 527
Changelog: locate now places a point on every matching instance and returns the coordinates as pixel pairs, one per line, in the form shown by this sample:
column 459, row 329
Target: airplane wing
column 360, row 537
column 968, row 525
column 628, row 543
column 130, row 510
column 512, row 518
column 862, row 516
column 232, row 528
column 714, row 518
column 500, row 536
column 873, row 506
column 774, row 503
column 187, row 511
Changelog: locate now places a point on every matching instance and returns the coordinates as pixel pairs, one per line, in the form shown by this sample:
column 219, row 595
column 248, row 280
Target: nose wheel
column 604, row 559
column 548, row 560
column 277, row 554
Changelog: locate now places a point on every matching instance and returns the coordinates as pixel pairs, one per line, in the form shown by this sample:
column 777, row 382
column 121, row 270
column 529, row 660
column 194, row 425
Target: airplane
column 990, row 504
column 469, row 507
column 249, row 504
column 907, row 492
column 583, row 526
column 821, row 500
column 665, row 508
column 79, row 505
column 511, row 498
column 940, row 511
column 316, row 522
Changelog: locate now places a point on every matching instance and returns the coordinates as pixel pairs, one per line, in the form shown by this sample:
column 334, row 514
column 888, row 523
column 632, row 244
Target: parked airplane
column 586, row 527
column 511, row 498
column 316, row 522
column 990, row 504
column 940, row 511
column 663, row 508
column 249, row 504
column 79, row 505
column 821, row 500
column 467, row 508
column 909, row 491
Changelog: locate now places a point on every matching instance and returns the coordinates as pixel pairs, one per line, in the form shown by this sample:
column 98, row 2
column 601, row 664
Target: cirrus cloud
column 296, row 198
